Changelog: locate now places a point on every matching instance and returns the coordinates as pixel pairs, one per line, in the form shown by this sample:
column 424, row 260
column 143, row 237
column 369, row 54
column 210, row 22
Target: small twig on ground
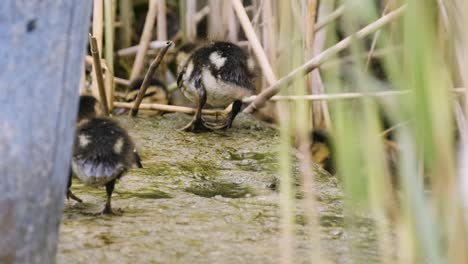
column 171, row 108
column 151, row 70
column 98, row 71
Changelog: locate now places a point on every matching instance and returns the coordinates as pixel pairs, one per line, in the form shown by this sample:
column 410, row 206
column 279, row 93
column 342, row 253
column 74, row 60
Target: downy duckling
column 216, row 75
column 103, row 151
column 321, row 151
column 155, row 93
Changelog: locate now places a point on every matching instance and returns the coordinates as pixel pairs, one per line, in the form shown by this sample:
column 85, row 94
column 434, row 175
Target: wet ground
column 202, row 198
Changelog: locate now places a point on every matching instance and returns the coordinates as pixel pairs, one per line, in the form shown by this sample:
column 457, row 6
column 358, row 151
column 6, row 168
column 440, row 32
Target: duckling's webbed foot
column 69, row 193
column 109, row 189
column 73, row 197
column 236, row 107
column 197, row 124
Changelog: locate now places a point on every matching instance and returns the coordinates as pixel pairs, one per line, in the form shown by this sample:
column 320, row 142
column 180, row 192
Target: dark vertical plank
column 42, row 45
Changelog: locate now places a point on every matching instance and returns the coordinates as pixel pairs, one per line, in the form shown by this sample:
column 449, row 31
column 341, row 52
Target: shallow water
column 202, row 198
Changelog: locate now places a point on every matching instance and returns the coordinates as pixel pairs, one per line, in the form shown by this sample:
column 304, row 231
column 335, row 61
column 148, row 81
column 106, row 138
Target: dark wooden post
column 42, row 46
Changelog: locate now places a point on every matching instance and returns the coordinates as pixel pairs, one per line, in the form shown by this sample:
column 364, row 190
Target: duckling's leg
column 109, row 189
column 236, row 107
column 69, row 193
column 137, row 159
column 197, row 124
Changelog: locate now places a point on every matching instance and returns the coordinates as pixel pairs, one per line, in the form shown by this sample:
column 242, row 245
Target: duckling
column 216, row 75
column 103, row 151
column 156, row 93
column 321, row 151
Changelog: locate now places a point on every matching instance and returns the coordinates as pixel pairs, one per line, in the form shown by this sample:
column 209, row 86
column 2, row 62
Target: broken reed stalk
column 172, row 108
column 319, row 59
column 254, row 42
column 149, row 74
column 145, row 39
column 98, row 72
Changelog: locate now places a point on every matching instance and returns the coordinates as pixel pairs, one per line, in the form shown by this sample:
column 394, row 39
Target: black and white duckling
column 156, row 93
column 216, row 75
column 103, row 151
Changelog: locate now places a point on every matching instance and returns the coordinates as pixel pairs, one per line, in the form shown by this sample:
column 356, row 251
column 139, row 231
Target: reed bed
column 422, row 218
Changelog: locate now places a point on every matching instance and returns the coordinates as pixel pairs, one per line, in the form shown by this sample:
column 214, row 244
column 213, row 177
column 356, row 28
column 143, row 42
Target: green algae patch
column 224, row 189
column 146, row 194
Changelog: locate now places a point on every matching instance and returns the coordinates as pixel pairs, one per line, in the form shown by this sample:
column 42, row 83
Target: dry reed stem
column 337, row 96
column 121, row 81
column 149, row 74
column 172, row 108
column 216, row 31
column 90, row 61
column 145, row 39
column 231, row 21
column 125, row 10
column 97, row 31
column 256, row 46
column 191, row 21
column 324, row 10
column 109, row 84
column 320, row 59
column 162, row 21
column 83, row 80
column 330, row 18
column 375, row 38
column 313, row 83
column 129, row 51
column 98, row 71
column 201, row 14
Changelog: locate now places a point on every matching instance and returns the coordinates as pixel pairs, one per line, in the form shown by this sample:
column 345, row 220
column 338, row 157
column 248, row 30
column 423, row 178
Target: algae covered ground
column 202, row 198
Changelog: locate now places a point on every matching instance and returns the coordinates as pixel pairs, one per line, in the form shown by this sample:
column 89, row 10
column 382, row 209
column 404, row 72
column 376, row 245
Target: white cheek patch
column 83, row 140
column 118, row 146
column 217, row 60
